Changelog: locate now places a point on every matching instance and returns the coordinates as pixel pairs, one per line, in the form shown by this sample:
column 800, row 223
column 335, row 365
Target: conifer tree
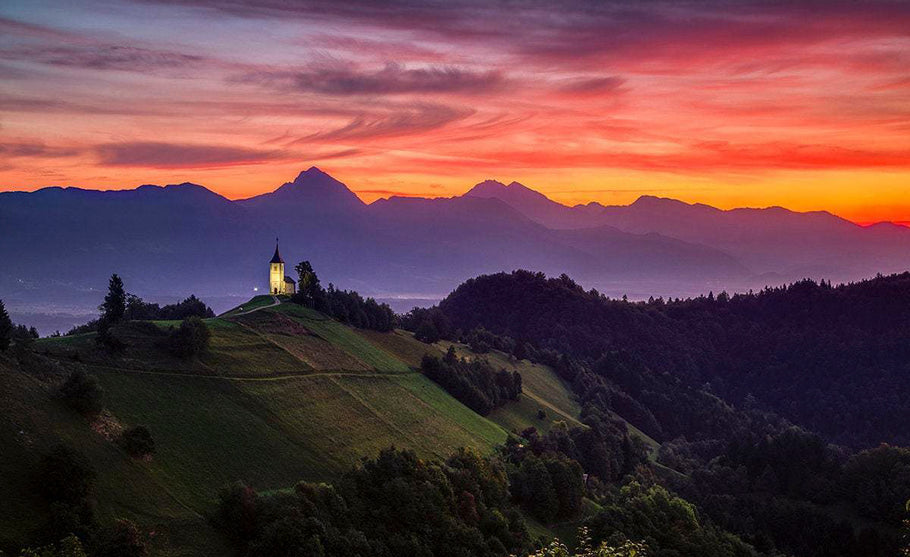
column 6, row 327
column 114, row 306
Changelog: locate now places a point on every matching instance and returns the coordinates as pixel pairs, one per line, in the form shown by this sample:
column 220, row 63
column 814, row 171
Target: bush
column 237, row 512
column 123, row 539
column 65, row 475
column 191, row 338
column 137, row 441
column 65, row 480
column 427, row 333
column 70, row 546
column 83, row 393
column 106, row 337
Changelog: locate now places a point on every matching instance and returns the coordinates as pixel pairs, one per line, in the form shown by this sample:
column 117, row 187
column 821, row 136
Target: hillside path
column 275, row 302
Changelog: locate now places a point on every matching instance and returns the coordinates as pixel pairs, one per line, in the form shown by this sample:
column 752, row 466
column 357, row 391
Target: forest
column 781, row 413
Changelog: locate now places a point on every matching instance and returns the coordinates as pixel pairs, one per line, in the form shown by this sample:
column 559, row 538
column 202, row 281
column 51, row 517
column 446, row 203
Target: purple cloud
column 174, row 155
column 390, row 80
column 593, row 85
column 103, row 57
column 35, row 150
column 400, row 121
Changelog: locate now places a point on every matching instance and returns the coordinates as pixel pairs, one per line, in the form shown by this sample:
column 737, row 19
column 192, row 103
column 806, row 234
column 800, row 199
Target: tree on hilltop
column 308, row 287
column 114, row 306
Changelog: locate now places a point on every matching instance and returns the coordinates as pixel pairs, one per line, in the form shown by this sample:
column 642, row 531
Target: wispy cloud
column 409, row 119
column 393, row 79
column 592, row 85
column 103, row 57
column 36, row 150
column 175, row 155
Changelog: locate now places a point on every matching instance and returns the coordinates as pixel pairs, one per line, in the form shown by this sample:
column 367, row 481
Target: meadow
column 284, row 394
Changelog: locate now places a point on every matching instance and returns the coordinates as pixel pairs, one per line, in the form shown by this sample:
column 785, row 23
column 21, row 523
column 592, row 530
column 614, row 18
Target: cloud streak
column 393, row 79
column 400, row 121
column 149, row 154
column 104, row 57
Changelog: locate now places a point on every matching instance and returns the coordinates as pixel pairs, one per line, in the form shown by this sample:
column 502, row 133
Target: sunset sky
column 732, row 104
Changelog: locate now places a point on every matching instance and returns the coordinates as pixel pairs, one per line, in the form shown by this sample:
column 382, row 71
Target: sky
column 803, row 105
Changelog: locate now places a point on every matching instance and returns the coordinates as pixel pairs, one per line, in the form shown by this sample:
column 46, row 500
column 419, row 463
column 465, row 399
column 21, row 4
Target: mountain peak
column 487, row 188
column 655, row 201
column 495, row 188
column 311, row 172
column 311, row 188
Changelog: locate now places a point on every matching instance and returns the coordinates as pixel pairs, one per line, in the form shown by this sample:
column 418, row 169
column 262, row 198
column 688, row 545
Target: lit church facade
column 279, row 283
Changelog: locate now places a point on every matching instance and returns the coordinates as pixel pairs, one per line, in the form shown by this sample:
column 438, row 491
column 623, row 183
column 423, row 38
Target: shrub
column 65, row 475
column 191, row 338
column 70, row 546
column 123, row 539
column 427, row 332
column 83, row 393
column 106, row 337
column 137, row 441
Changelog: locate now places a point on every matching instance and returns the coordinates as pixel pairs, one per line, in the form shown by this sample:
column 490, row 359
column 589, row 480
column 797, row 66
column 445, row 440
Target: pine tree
column 6, row 327
column 114, row 306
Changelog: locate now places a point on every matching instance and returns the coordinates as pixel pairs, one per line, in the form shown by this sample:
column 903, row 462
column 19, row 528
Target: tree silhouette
column 114, row 306
column 6, row 328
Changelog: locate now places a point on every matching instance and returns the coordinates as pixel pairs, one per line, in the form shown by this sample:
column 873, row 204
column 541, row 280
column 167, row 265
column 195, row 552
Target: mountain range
column 59, row 245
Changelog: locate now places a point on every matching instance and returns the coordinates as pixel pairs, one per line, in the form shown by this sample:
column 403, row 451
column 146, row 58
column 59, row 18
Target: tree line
column 474, row 382
column 346, row 306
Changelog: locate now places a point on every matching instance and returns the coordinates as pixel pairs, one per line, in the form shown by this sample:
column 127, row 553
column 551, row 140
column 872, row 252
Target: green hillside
column 543, row 390
column 283, row 394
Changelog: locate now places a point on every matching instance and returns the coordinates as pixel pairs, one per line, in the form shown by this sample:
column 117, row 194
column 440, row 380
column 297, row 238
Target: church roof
column 289, row 279
column 277, row 257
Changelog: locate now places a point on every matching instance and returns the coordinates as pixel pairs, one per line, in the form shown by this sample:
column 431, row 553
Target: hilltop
column 284, row 394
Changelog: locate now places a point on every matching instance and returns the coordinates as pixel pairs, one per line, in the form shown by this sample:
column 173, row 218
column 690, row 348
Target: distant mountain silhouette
column 774, row 243
column 313, row 190
column 59, row 245
column 533, row 204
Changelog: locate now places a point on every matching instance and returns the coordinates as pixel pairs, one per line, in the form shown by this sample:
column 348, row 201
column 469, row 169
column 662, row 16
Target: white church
column 279, row 283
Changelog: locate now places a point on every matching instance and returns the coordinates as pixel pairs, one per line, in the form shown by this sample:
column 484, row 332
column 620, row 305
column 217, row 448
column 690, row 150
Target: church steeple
column 277, row 281
column 277, row 257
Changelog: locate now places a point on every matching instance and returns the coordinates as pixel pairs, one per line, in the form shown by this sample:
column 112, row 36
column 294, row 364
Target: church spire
column 277, row 257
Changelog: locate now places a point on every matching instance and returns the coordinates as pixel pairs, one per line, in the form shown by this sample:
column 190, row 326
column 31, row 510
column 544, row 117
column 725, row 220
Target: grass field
column 542, row 389
column 32, row 421
column 401, row 345
column 345, row 338
column 257, row 302
column 283, row 394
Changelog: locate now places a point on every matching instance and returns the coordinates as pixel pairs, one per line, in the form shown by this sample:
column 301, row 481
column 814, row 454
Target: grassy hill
column 284, row 394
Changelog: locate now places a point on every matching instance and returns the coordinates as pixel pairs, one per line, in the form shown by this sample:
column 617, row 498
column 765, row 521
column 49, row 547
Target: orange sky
column 750, row 105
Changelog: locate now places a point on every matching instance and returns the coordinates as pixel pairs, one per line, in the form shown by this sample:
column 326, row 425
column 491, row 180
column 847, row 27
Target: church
column 279, row 283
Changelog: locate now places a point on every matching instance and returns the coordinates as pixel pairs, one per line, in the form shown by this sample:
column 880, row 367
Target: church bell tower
column 276, row 273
